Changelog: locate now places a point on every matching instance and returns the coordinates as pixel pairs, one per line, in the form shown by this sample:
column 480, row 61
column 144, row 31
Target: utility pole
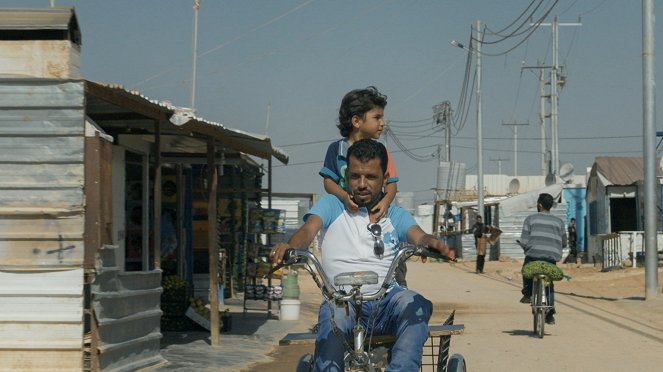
column 196, row 6
column 269, row 110
column 515, row 145
column 554, row 95
column 499, row 163
column 542, row 114
column 542, row 122
column 477, row 53
column 554, row 102
column 442, row 114
column 649, row 145
column 480, row 206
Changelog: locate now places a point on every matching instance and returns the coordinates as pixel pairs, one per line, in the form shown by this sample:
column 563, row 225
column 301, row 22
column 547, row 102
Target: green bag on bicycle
column 552, row 271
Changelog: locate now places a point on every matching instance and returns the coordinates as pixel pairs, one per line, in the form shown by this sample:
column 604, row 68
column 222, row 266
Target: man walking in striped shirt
column 542, row 238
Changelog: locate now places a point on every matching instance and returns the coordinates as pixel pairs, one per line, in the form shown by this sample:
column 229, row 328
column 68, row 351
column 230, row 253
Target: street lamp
column 477, row 53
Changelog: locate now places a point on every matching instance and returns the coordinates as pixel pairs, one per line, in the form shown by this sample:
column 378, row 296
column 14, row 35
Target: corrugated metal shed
column 41, row 224
column 621, row 171
column 42, row 220
column 511, row 227
column 41, row 186
column 511, row 215
column 126, row 306
column 41, row 320
column 500, row 184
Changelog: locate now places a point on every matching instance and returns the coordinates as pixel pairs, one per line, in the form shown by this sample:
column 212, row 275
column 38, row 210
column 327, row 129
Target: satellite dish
column 550, row 179
column 566, row 172
column 514, row 186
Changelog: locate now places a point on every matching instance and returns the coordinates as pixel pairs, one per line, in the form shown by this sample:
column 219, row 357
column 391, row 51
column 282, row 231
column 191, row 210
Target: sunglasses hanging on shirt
column 378, row 245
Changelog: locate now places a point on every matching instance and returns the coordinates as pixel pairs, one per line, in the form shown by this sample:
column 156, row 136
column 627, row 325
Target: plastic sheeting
column 523, row 202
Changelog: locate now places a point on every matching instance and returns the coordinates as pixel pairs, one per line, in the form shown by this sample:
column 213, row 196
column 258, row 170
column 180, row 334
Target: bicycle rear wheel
column 539, row 313
column 540, row 320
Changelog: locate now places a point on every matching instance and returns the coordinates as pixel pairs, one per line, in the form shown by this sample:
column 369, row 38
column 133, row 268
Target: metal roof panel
column 56, row 18
column 622, row 171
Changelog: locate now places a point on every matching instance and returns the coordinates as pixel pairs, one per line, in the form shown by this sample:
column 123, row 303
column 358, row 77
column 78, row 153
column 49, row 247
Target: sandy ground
column 603, row 323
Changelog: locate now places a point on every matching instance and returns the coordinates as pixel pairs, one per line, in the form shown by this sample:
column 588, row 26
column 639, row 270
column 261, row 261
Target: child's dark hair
column 358, row 102
column 367, row 149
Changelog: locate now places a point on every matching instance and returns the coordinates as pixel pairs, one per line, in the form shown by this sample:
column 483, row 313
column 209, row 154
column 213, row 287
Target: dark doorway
column 623, row 215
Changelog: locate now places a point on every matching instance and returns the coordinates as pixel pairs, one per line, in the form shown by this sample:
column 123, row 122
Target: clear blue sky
column 302, row 56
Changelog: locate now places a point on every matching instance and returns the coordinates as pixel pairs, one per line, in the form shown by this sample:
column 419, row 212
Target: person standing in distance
column 573, row 241
column 479, row 230
column 543, row 238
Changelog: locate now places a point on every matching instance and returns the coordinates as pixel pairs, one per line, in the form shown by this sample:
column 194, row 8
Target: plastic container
column 221, row 295
column 289, row 284
column 289, row 309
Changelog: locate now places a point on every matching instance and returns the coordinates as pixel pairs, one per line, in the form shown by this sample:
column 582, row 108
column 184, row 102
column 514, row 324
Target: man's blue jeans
column 528, row 283
column 401, row 312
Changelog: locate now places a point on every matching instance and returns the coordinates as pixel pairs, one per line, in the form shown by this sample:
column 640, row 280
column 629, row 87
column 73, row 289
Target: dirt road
column 603, row 322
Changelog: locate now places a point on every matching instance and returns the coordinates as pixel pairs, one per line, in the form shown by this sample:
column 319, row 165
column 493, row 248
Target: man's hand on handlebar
column 276, row 255
column 436, row 244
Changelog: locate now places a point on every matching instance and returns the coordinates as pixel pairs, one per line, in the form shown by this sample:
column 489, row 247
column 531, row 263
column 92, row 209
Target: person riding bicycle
column 543, row 238
column 362, row 242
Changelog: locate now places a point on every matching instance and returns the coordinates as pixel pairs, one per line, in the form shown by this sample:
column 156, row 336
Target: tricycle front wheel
column 456, row 364
column 305, row 363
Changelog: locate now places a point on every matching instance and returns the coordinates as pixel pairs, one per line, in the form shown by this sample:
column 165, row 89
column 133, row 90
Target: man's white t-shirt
column 347, row 244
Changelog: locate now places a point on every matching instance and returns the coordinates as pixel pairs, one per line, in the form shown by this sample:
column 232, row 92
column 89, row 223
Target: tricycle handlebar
column 303, row 255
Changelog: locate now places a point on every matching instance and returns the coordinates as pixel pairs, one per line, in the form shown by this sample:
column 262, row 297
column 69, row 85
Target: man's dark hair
column 367, row 149
column 546, row 201
column 358, row 102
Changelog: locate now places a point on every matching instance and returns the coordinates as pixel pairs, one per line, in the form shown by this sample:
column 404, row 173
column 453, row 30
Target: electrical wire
column 516, row 32
column 407, row 121
column 459, row 119
column 432, row 129
column 592, row 10
column 224, row 44
column 529, row 31
column 498, row 33
column 406, row 151
column 568, row 7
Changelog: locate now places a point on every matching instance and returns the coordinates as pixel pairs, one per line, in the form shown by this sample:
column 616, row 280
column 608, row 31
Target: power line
column 428, row 119
column 405, row 150
column 529, row 31
column 469, row 169
column 224, row 44
column 515, row 20
column 517, row 31
column 575, row 138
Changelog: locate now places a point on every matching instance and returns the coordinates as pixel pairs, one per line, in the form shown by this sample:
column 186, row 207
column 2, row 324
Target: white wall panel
column 41, row 320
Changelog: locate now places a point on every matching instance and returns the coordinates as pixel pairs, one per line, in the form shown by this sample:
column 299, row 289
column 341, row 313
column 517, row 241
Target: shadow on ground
column 521, row 332
column 590, row 297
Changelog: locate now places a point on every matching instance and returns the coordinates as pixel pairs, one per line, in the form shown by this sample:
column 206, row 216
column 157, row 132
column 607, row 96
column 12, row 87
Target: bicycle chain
column 335, row 330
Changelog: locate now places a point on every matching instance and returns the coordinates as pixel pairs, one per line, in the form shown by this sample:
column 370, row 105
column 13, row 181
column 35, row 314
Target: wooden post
column 92, row 236
column 212, row 243
column 157, row 192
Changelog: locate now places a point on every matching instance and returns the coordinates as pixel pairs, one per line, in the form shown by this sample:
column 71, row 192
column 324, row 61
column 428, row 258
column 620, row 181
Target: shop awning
column 120, row 111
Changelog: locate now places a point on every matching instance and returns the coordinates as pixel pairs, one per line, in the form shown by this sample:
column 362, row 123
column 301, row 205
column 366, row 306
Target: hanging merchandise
column 273, row 220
